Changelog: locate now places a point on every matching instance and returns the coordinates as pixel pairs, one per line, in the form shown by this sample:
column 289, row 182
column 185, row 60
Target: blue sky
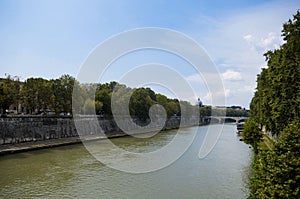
column 51, row 38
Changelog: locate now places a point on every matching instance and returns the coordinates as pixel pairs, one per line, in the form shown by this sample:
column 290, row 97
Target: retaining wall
column 18, row 129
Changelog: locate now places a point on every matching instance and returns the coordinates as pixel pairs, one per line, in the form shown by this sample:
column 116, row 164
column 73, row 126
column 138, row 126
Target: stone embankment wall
column 18, row 129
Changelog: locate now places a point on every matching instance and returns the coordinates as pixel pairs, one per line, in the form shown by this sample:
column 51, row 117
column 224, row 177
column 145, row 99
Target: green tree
column 205, row 111
column 172, row 107
column 103, row 94
column 277, row 100
column 141, row 101
column 37, row 94
column 251, row 134
column 92, row 106
column 276, row 105
column 78, row 100
column 236, row 112
column 277, row 171
column 67, row 84
column 9, row 92
column 161, row 99
column 89, row 107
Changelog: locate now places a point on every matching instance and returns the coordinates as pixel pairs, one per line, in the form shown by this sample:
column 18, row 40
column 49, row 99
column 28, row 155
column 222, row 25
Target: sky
column 50, row 38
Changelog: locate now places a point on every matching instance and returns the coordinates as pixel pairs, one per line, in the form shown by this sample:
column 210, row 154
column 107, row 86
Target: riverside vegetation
column 35, row 95
column 275, row 108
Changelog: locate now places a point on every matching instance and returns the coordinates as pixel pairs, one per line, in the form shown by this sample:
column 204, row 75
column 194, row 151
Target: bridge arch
column 224, row 119
column 242, row 120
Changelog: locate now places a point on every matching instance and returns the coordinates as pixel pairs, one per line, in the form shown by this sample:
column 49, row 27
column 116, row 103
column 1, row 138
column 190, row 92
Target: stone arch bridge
column 224, row 119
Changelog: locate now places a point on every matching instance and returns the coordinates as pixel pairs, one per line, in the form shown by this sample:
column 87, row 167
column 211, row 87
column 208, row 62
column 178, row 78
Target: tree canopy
column 277, row 171
column 277, row 100
column 252, row 134
column 276, row 106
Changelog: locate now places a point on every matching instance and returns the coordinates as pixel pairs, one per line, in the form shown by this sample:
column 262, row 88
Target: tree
column 67, row 84
column 236, row 112
column 276, row 105
column 79, row 98
column 92, row 107
column 89, row 107
column 98, row 107
column 277, row 100
column 103, row 94
column 37, row 94
column 251, row 134
column 277, row 171
column 205, row 111
column 161, row 99
column 9, row 92
column 172, row 108
column 141, row 101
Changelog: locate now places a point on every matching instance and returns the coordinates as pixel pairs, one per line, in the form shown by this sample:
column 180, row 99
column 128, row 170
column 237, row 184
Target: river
column 71, row 172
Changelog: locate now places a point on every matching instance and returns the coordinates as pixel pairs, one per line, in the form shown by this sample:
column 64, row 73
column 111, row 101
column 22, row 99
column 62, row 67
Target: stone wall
column 25, row 129
column 17, row 129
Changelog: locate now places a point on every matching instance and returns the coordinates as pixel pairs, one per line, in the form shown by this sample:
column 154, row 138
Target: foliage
column 38, row 95
column 251, row 134
column 103, row 94
column 9, row 92
column 277, row 100
column 92, row 107
column 141, row 101
column 171, row 106
column 236, row 112
column 233, row 111
column 276, row 106
column 205, row 111
column 277, row 171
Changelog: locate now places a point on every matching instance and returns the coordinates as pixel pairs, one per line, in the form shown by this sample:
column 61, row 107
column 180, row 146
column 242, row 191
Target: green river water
column 72, row 172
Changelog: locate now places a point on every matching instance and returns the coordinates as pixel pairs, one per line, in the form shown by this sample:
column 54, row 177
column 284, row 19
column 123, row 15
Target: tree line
column 275, row 107
column 38, row 95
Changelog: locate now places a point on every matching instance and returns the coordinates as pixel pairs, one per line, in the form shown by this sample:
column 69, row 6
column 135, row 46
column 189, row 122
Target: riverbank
column 19, row 134
column 29, row 146
column 51, row 143
column 43, row 144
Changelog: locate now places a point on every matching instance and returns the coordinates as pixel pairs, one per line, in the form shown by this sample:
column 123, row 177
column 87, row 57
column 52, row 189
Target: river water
column 71, row 172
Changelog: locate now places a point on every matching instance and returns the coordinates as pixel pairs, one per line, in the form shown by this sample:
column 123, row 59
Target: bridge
column 223, row 119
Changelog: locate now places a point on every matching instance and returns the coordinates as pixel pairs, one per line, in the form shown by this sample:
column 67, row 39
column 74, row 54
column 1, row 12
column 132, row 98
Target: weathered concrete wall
column 17, row 129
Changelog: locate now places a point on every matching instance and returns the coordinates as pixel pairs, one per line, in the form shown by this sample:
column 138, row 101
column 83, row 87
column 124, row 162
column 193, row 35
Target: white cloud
column 231, row 75
column 269, row 42
column 248, row 38
column 236, row 44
